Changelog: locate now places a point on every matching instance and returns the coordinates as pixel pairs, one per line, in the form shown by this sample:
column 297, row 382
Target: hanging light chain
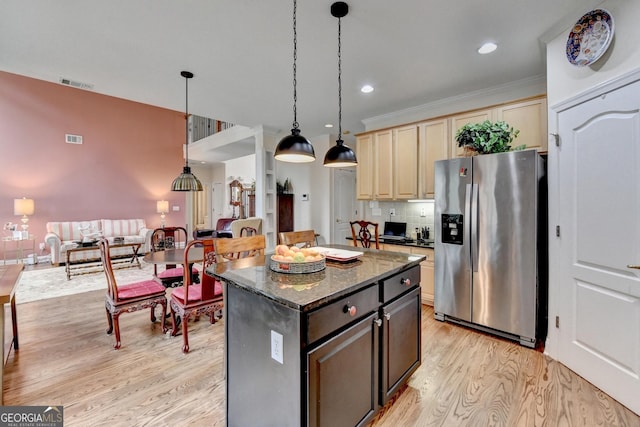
column 186, row 118
column 295, row 57
column 339, row 79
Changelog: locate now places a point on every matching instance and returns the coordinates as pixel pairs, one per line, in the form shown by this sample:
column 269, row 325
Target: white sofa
column 62, row 236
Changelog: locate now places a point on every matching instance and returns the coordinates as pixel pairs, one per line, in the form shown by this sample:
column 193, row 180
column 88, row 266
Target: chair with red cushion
column 191, row 299
column 165, row 239
column 365, row 232
column 130, row 297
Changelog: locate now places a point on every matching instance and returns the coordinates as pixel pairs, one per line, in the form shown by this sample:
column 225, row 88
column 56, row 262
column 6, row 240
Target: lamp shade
column 162, row 206
column 23, row 206
column 186, row 181
column 295, row 148
column 340, row 156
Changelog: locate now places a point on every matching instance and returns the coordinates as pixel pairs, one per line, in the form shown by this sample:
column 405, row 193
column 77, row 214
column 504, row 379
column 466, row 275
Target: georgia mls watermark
column 31, row 416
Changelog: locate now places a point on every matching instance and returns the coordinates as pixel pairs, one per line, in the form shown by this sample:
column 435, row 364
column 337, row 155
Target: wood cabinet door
column 383, row 173
column 530, row 118
column 460, row 120
column 427, row 276
column 401, row 340
column 285, row 212
column 433, row 145
column 364, row 170
column 405, row 162
column 342, row 382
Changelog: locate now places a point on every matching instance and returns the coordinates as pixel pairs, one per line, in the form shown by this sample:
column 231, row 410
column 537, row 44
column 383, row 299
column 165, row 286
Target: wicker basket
column 297, row 267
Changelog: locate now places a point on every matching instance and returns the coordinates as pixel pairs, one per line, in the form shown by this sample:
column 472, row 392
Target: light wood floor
column 466, row 379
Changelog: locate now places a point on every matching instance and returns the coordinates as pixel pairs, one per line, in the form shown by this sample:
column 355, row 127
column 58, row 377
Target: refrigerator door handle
column 468, row 221
column 474, row 228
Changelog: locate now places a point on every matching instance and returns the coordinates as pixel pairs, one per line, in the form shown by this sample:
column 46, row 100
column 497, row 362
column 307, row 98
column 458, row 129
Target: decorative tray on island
column 339, row 255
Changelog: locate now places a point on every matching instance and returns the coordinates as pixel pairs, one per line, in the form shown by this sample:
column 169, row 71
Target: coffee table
column 119, row 261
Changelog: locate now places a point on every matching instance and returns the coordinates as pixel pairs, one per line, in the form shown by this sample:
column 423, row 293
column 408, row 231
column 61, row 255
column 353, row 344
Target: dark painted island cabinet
column 320, row 349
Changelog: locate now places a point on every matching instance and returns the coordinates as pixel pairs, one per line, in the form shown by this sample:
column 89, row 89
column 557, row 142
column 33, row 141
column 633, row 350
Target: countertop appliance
column 491, row 244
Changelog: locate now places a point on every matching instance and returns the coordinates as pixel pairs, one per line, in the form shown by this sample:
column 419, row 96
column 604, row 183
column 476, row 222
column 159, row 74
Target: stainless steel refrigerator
column 491, row 245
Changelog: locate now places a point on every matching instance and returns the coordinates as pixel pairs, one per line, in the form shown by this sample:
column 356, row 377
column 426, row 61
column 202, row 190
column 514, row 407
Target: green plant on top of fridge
column 488, row 137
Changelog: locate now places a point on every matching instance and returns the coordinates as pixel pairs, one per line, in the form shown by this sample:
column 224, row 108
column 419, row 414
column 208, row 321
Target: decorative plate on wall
column 590, row 38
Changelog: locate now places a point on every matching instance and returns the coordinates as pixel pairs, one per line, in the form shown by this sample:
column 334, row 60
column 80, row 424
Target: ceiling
column 413, row 52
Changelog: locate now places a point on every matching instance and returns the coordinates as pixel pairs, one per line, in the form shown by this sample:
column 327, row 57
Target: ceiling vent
column 76, row 84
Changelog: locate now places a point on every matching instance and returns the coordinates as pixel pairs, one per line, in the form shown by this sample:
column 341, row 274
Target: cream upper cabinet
column 405, row 162
column 388, row 164
column 530, row 118
column 365, row 168
column 462, row 119
column 398, row 163
column 433, row 145
column 383, row 173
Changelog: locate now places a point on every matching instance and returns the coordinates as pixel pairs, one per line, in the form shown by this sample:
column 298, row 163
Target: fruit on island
column 293, row 253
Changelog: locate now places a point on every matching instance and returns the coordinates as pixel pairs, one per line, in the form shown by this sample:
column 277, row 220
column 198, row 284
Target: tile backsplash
column 418, row 214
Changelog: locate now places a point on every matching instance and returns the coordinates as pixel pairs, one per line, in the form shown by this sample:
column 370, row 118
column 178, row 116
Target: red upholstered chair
column 365, row 232
column 130, row 297
column 192, row 299
column 170, row 238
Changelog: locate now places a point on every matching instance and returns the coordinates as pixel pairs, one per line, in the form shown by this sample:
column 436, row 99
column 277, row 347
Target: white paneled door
column 344, row 202
column 599, row 219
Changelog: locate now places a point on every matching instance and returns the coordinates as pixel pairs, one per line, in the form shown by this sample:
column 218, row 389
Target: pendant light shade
column 186, row 181
column 340, row 155
column 295, row 148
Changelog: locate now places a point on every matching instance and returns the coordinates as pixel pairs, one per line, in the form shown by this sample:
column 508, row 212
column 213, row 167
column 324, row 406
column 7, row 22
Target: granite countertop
column 412, row 243
column 307, row 291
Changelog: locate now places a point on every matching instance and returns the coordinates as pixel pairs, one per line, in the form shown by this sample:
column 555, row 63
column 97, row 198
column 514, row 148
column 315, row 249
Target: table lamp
column 162, row 206
column 24, row 207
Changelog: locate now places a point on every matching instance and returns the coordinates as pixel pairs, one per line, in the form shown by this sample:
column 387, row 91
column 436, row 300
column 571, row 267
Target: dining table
column 175, row 256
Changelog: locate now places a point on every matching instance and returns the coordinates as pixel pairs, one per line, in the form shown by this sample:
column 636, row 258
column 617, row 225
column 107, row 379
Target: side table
column 19, row 246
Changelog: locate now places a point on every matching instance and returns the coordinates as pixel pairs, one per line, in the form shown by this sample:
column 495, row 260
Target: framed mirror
column 235, row 192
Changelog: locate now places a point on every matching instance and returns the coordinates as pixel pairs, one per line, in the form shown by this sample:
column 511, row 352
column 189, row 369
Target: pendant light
column 295, row 148
column 340, row 155
column 186, row 181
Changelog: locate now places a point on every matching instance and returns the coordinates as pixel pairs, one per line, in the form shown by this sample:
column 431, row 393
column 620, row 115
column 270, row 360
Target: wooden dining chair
column 302, row 239
column 240, row 247
column 365, row 232
column 129, row 297
column 170, row 238
column 195, row 299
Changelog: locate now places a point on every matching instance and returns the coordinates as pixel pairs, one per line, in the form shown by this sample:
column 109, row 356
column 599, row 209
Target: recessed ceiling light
column 366, row 89
column 328, row 125
column 487, row 48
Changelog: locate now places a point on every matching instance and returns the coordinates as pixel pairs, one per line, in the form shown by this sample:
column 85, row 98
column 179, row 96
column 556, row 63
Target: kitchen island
column 328, row 348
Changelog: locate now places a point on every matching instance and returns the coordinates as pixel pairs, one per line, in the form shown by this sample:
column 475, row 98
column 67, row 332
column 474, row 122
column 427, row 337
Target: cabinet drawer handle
column 405, row 281
column 378, row 322
column 387, row 316
column 350, row 309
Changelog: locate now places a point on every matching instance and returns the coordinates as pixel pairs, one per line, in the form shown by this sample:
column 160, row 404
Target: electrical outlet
column 276, row 347
column 423, row 212
column 392, row 212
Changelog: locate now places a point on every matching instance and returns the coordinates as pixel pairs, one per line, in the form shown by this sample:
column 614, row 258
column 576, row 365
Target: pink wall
column 130, row 155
